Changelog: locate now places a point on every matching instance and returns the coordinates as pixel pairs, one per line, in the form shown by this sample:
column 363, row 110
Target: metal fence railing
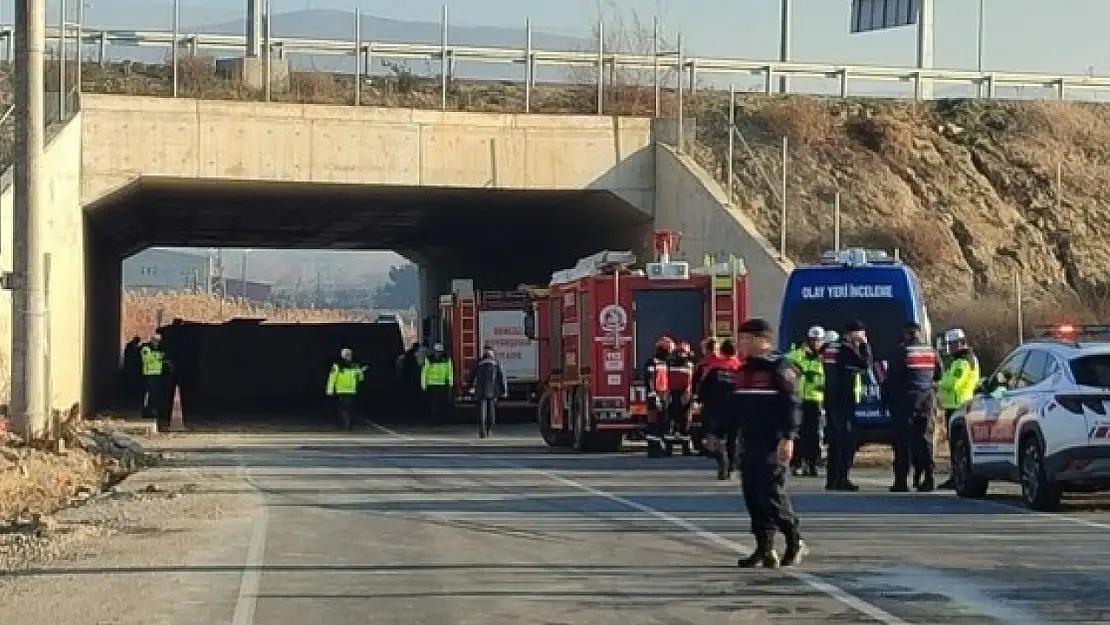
column 58, row 111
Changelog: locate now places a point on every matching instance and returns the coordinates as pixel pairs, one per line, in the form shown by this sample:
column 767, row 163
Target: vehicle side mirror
column 530, row 323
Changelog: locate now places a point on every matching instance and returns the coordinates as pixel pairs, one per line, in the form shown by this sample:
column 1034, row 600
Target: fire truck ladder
column 468, row 333
column 723, row 311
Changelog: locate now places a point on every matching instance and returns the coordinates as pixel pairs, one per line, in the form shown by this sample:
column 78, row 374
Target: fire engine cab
column 597, row 324
column 471, row 319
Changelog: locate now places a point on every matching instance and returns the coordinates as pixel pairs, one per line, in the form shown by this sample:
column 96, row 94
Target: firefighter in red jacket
column 680, row 386
column 657, row 379
column 714, row 391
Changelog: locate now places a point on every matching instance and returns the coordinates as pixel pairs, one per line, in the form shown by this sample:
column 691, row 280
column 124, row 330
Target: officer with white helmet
column 961, row 376
column 807, row 359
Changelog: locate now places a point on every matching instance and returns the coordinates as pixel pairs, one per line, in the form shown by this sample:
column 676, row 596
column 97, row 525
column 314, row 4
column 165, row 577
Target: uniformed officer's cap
column 855, row 325
column 756, row 327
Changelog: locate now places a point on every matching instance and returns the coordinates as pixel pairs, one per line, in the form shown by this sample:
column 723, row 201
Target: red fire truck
column 470, row 319
column 597, row 325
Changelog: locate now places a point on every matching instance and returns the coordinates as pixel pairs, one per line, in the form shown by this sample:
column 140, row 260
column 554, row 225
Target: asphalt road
column 420, row 527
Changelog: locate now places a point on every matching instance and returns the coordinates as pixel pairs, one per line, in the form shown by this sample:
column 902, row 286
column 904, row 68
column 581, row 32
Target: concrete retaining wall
column 689, row 200
column 128, row 137
column 64, row 239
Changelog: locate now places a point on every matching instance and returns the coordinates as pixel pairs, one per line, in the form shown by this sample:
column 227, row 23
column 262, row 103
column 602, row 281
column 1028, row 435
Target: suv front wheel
column 966, row 483
column 1037, row 492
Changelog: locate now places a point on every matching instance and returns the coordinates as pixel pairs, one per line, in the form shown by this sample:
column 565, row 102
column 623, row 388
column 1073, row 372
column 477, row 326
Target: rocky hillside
column 965, row 189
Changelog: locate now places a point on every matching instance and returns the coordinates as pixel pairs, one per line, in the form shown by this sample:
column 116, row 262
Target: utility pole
column 254, row 28
column 784, row 42
column 27, row 280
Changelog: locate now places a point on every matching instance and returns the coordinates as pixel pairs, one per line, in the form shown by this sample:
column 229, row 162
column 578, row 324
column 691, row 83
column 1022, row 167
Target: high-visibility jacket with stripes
column 957, row 385
column 811, row 371
column 153, row 359
column 343, row 379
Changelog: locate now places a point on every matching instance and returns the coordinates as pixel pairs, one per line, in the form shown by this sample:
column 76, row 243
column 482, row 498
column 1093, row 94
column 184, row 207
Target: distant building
column 233, row 287
column 159, row 269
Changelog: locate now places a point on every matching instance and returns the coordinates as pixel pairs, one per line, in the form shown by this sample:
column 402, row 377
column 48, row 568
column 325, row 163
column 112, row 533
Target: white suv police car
column 1042, row 419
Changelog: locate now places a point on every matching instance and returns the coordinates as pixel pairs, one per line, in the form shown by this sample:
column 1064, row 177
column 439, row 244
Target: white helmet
column 954, row 335
column 346, row 353
column 816, row 333
column 831, row 336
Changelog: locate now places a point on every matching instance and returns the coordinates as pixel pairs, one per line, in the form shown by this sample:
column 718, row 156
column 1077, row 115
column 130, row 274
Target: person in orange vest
column 657, row 380
column 680, row 387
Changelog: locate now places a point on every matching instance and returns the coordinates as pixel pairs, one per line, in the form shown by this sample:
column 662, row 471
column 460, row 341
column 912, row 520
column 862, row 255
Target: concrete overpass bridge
column 500, row 198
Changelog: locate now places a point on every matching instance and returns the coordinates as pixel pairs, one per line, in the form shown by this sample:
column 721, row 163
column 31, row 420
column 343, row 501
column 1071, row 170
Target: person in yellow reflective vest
column 156, row 374
column 343, row 382
column 961, row 376
column 807, row 359
column 437, row 377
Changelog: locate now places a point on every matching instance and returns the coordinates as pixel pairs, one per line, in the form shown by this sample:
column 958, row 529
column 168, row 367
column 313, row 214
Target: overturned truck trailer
column 248, row 366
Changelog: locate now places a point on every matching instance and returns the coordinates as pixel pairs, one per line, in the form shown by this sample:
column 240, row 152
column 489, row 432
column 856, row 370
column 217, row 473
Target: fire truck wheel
column 554, row 438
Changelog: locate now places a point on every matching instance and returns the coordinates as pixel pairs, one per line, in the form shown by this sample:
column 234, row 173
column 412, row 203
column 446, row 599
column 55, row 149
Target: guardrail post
column 655, row 66
column 102, row 50
column 173, row 46
column 1060, row 89
column 681, row 112
column 267, row 54
column 80, row 42
column 768, row 80
column 443, row 63
column 62, row 59
column 600, row 67
column 843, row 82
column 358, row 56
column 528, row 65
column 731, row 140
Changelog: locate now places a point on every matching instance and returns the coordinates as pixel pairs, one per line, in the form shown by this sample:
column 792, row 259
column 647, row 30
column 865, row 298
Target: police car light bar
column 1069, row 330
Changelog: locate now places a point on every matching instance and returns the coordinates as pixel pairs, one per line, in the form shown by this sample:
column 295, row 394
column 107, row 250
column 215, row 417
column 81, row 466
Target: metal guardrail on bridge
column 986, row 83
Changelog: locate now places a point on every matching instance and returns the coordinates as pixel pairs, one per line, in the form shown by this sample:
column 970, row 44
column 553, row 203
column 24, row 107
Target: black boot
column 927, row 485
column 900, row 485
column 847, row 486
column 947, row 485
column 723, row 468
column 763, row 556
column 917, row 479
column 796, row 551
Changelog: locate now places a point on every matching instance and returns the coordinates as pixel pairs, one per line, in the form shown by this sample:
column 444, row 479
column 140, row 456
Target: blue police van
column 871, row 286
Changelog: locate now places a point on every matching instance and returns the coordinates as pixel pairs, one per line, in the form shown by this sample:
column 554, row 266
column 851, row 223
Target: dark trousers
column 154, row 403
column 345, row 406
column 842, row 444
column 677, row 405
column 438, row 401
column 723, row 430
column 808, row 453
column 913, row 438
column 487, row 413
column 763, row 481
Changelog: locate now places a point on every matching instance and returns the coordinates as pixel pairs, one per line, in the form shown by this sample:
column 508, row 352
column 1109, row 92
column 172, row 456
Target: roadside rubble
column 38, row 480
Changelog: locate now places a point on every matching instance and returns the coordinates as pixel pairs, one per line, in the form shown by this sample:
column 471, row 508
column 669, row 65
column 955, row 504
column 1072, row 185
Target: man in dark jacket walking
column 488, row 382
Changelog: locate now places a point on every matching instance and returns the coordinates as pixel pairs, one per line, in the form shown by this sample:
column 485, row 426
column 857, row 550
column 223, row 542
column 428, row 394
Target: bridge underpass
column 499, row 238
column 128, row 172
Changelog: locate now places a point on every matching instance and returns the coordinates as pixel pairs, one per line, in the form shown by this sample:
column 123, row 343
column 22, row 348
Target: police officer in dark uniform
column 842, row 394
column 714, row 390
column 913, row 371
column 768, row 408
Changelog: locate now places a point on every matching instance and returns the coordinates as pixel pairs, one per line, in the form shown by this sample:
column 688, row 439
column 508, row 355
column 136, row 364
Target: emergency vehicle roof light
column 856, row 256
column 606, row 261
column 1073, row 332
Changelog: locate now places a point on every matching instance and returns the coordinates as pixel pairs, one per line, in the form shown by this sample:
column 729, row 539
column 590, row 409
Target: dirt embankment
column 965, row 189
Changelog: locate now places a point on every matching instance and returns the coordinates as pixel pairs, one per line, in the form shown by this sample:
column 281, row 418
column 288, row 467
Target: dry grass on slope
column 141, row 312
column 965, row 189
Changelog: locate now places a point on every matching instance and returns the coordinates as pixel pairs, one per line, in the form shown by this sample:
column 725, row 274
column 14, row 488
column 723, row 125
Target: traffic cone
column 177, row 417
